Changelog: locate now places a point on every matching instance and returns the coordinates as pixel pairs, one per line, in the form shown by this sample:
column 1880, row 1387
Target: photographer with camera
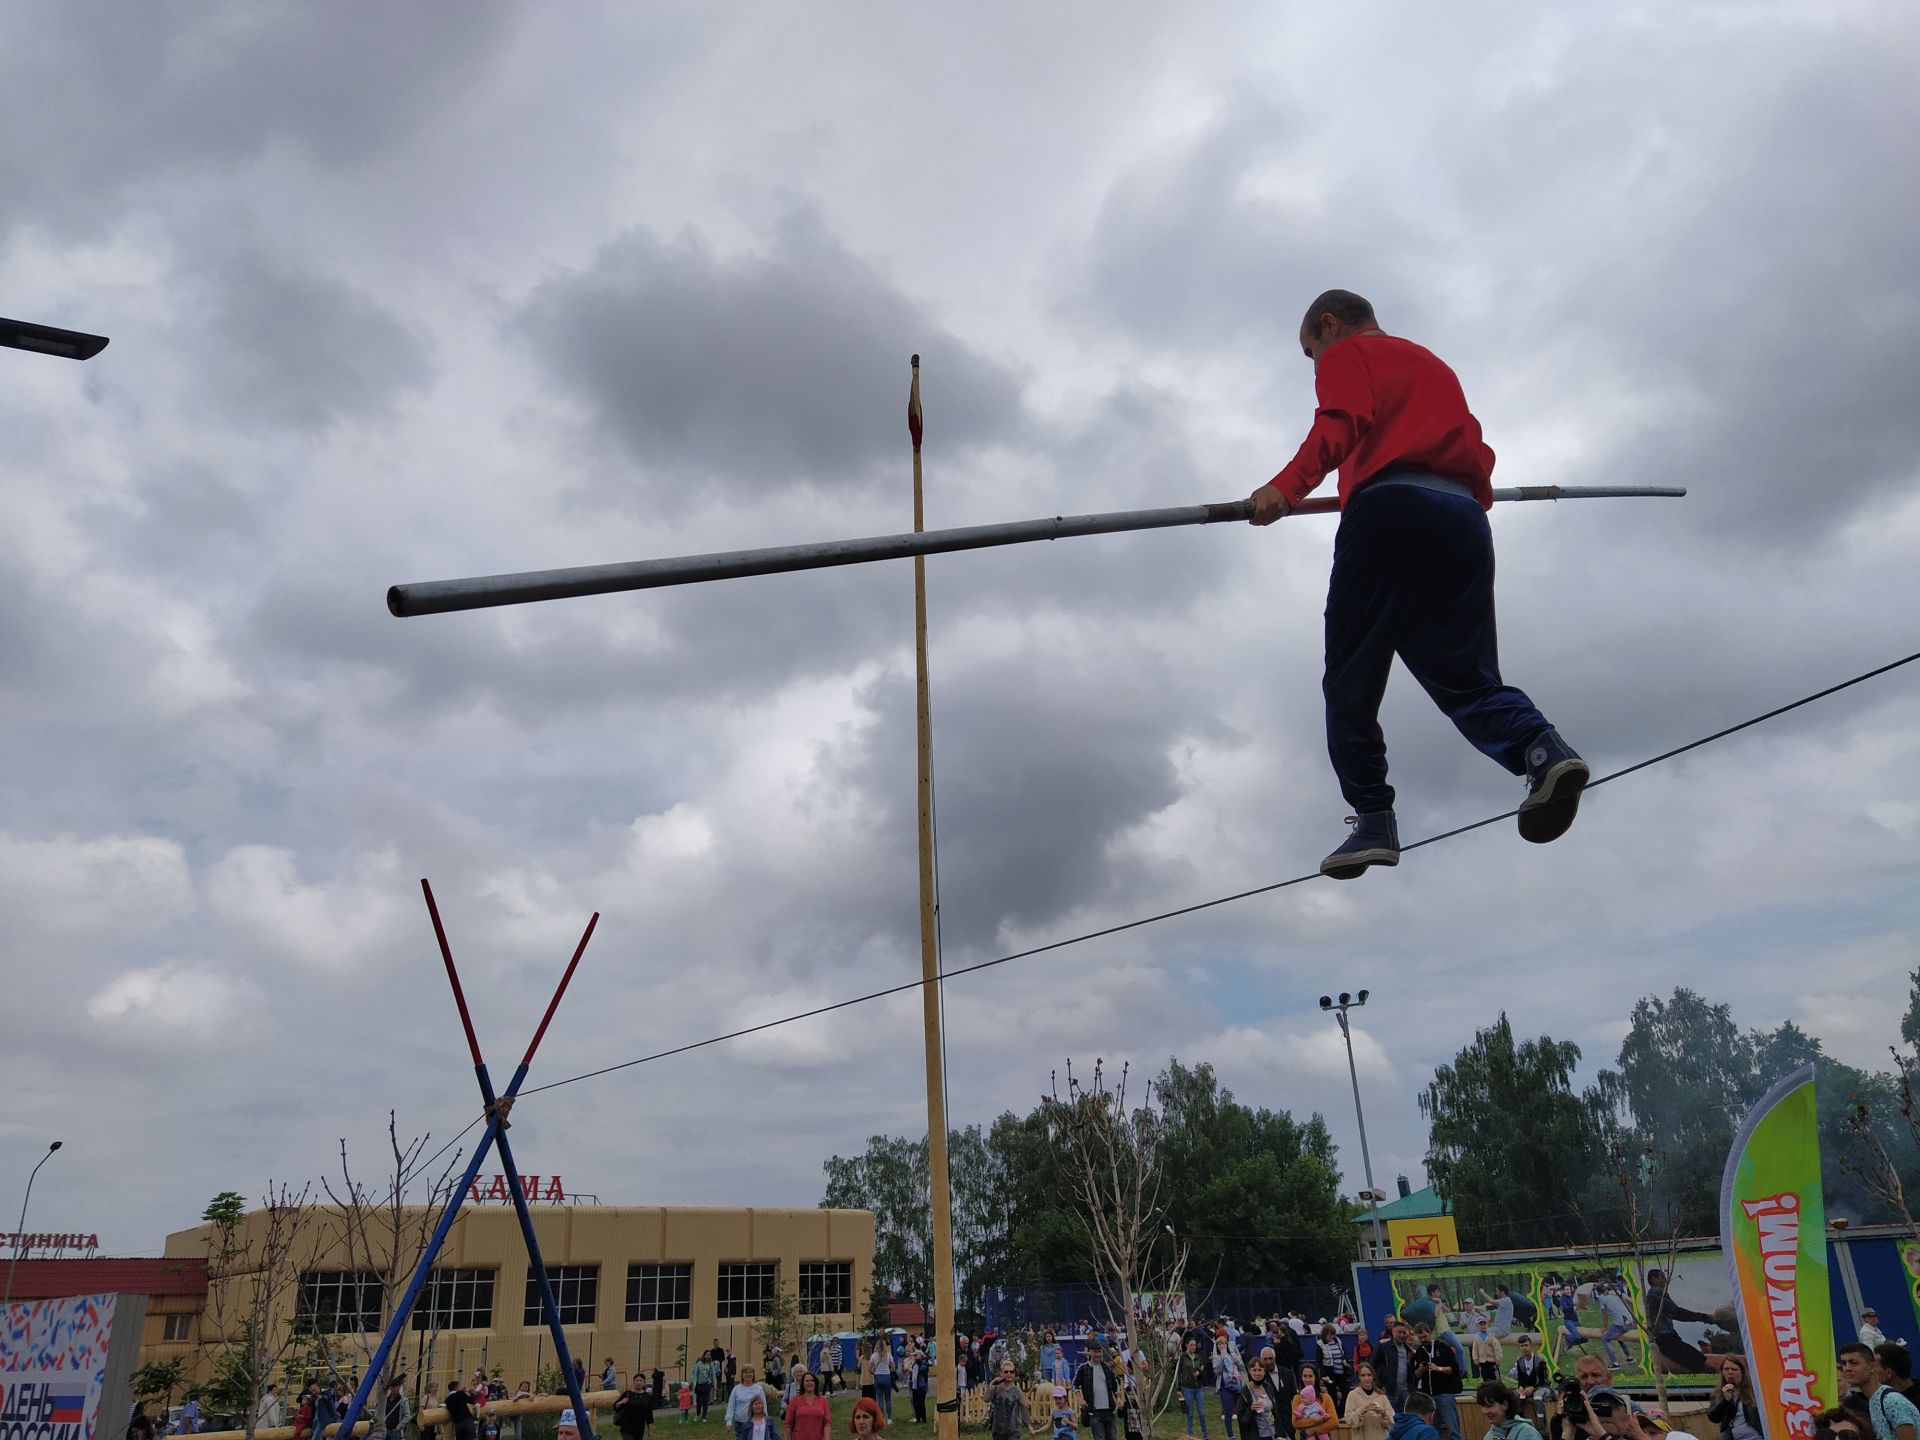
column 1576, row 1420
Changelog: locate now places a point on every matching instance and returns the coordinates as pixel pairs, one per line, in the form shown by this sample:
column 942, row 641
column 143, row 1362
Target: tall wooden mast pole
column 945, row 1392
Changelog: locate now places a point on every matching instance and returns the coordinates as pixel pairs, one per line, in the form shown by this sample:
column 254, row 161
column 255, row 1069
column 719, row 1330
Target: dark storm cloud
column 1040, row 763
column 728, row 377
column 89, row 108
column 289, row 348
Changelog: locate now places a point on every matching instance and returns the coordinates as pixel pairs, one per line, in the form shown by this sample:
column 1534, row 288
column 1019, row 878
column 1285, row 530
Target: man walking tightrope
column 1412, row 574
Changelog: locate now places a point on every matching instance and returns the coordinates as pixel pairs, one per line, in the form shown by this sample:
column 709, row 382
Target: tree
column 877, row 1316
column 890, row 1179
column 1507, row 1195
column 157, row 1380
column 1113, row 1158
column 1910, row 1022
column 253, row 1273
column 384, row 1235
column 778, row 1328
column 1253, row 1192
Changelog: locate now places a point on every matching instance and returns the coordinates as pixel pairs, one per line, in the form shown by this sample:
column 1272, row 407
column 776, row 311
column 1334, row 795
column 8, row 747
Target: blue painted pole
column 549, row 1307
column 488, row 1139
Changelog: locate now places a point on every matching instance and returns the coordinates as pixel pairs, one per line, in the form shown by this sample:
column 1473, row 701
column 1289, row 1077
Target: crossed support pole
column 494, row 1137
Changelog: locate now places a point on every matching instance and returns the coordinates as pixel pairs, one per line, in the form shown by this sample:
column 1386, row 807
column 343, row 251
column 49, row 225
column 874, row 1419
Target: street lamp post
column 22, row 1225
column 50, row 340
column 1339, row 1010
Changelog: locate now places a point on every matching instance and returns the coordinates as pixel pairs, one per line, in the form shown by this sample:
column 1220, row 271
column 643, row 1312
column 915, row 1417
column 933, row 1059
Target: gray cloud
column 723, row 378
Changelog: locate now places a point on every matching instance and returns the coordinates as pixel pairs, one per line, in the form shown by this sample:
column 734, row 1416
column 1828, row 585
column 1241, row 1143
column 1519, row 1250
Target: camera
column 1573, row 1400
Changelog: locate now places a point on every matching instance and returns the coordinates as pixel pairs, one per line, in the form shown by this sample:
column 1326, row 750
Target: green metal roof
column 1422, row 1204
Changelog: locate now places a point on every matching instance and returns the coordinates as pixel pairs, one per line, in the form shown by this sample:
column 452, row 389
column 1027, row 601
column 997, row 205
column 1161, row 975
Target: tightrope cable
column 1081, row 939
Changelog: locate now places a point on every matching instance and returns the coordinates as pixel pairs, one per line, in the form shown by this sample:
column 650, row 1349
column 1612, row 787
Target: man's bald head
column 1332, row 316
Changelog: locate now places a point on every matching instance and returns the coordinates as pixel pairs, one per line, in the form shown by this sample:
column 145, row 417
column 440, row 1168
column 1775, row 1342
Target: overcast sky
column 404, row 294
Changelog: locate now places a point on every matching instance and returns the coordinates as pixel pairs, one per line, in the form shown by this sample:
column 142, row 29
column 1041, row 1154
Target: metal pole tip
column 916, row 362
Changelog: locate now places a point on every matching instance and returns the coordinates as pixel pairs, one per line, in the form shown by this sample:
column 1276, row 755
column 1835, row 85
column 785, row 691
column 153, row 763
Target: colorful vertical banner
column 1773, row 1223
column 53, row 1364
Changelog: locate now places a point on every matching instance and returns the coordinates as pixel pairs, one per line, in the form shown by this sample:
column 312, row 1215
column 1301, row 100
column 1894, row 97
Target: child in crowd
column 1064, row 1419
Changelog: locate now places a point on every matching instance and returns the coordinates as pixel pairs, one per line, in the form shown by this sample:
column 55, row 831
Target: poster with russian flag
column 1773, row 1223
column 53, row 1364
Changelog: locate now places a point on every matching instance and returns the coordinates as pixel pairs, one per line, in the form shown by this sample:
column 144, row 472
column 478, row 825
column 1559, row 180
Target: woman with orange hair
column 866, row 1419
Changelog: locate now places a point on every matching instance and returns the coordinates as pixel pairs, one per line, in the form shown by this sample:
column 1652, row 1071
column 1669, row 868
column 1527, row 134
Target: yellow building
column 634, row 1283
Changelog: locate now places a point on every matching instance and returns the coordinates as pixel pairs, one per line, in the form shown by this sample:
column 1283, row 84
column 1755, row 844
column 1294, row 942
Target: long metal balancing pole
column 436, row 597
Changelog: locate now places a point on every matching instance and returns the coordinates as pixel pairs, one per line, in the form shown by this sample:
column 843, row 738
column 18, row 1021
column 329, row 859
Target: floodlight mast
column 436, row 597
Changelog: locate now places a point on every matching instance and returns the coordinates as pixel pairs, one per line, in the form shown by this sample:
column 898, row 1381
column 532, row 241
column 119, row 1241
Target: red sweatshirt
column 1384, row 402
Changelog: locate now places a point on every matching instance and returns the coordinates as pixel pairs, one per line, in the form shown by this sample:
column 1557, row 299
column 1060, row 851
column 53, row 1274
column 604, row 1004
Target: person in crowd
column 703, row 1385
column 743, row 1394
column 1415, row 1421
column 394, row 1410
column 567, row 1427
column 1063, row 1420
column 866, row 1419
column 1133, row 1414
column 809, row 1413
column 1194, row 1378
column 1486, row 1352
column 1619, row 1418
column 1734, row 1408
column 1007, row 1415
column 1531, row 1380
column 1393, row 1363
column 730, row 1367
column 757, row 1424
column 309, row 1407
column 1500, row 1324
column 633, row 1409
column 1049, row 1355
column 863, row 1353
column 1259, row 1409
column 1369, row 1413
column 1893, row 1415
column 1840, row 1424
column 919, row 1372
column 1438, row 1373
column 326, row 1411
column 1501, row 1407
column 580, row 1374
column 1577, row 1419
column 140, row 1424
column 1313, row 1410
column 1229, row 1378
column 459, row 1408
column 683, row 1401
column 270, row 1412
column 883, row 1373
column 1870, row 1333
column 1333, row 1367
column 1099, row 1392
column 1287, row 1349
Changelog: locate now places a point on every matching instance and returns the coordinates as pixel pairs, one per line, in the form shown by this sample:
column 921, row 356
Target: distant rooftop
column 1422, row 1204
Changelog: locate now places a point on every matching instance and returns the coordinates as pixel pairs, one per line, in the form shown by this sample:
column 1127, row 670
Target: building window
column 826, row 1287
column 745, row 1289
column 659, row 1292
column 576, row 1290
column 339, row 1302
column 179, row 1327
column 456, row 1300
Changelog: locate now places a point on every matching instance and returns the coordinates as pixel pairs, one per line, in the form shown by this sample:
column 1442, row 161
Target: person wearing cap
column 567, row 1427
column 1062, row 1418
column 1870, row 1331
